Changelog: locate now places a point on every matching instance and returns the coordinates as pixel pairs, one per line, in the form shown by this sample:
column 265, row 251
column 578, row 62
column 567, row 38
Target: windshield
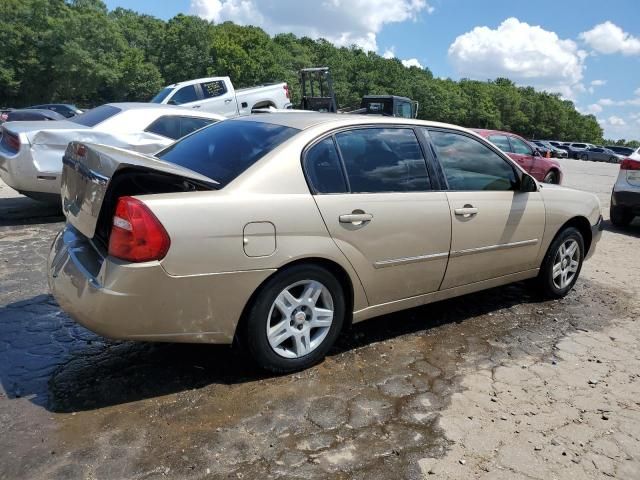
column 226, row 149
column 162, row 95
column 95, row 116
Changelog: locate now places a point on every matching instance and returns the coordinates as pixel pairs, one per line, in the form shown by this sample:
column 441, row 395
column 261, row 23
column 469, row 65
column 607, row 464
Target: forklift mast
column 317, row 90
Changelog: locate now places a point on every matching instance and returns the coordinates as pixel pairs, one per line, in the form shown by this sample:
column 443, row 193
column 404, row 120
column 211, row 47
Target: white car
column 625, row 197
column 218, row 95
column 31, row 152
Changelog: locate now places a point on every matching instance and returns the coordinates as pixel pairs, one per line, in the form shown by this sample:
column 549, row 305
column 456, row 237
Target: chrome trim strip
column 491, row 248
column 403, row 261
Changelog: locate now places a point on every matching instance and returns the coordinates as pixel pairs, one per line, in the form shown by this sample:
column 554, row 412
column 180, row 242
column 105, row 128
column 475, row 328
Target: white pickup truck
column 217, row 95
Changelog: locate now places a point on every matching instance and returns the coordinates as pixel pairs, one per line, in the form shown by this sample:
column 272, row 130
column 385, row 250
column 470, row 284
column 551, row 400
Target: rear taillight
column 136, row 233
column 11, row 140
column 286, row 91
column 629, row 164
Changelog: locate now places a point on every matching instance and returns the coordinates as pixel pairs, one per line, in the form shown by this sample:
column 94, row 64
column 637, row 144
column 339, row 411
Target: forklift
column 320, row 78
column 318, row 96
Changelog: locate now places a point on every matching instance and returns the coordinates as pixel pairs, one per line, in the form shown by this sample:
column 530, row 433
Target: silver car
column 599, row 154
column 31, row 152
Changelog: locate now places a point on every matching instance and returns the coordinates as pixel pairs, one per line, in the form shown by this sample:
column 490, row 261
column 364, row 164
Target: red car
column 543, row 169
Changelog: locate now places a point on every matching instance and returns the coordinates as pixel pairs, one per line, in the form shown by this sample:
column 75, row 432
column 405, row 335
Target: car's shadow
column 45, row 356
column 17, row 211
column 632, row 230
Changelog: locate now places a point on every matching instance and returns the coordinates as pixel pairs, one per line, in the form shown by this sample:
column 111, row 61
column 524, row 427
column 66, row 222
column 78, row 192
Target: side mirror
column 528, row 184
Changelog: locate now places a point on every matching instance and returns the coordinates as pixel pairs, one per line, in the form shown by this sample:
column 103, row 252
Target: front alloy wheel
column 562, row 263
column 565, row 264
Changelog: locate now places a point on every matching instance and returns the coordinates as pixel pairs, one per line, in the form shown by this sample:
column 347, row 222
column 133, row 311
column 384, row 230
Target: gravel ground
column 499, row 384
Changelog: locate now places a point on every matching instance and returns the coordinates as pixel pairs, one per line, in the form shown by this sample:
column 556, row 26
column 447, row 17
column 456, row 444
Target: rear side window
column 176, row 127
column 471, row 166
column 184, row 95
column 95, row 116
column 383, row 160
column 213, row 89
column 502, row 142
column 225, row 150
column 520, row 147
column 323, row 168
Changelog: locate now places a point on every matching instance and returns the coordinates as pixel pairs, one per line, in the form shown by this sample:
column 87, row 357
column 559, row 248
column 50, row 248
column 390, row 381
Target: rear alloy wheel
column 551, row 177
column 562, row 263
column 584, row 157
column 620, row 216
column 613, row 159
column 295, row 318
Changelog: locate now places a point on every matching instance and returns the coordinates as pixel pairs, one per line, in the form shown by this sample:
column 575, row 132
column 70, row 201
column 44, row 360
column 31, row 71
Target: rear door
column 523, row 154
column 374, row 190
column 496, row 229
column 217, row 98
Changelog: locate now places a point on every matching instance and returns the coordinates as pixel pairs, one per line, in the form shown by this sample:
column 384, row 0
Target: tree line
column 77, row 51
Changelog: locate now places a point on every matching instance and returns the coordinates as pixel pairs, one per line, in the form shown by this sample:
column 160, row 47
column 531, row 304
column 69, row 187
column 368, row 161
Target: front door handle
column 356, row 218
column 227, row 100
column 466, row 211
column 196, row 106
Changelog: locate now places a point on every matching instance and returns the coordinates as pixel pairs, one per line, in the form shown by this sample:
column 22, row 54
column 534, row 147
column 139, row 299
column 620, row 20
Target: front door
column 496, row 229
column 374, row 193
column 216, row 98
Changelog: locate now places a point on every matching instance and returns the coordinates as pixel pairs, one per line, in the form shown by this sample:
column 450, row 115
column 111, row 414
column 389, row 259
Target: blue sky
column 588, row 50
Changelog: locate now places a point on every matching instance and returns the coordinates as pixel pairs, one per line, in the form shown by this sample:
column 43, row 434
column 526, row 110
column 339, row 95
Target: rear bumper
column 627, row 199
column 20, row 172
column 596, row 234
column 141, row 301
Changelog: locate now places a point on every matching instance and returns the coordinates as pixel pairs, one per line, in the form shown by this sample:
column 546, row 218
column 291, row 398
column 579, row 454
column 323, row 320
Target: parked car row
column 586, row 151
column 49, row 111
column 31, row 151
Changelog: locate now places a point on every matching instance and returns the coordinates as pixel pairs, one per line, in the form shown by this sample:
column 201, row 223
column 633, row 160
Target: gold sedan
column 284, row 228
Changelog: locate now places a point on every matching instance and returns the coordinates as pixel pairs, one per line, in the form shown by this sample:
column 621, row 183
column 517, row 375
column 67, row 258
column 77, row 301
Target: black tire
column 584, row 157
column 545, row 278
column 254, row 329
column 613, row 159
column 551, row 177
column 620, row 216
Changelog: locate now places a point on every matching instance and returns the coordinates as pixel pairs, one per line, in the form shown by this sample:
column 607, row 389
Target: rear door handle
column 356, row 218
column 466, row 211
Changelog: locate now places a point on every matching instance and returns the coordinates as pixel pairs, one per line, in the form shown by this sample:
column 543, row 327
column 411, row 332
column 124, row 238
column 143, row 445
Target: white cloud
column 522, row 52
column 342, row 22
column 389, row 53
column 637, row 92
column 598, row 83
column 609, row 38
column 412, row 62
column 594, row 108
column 616, row 121
column 607, row 102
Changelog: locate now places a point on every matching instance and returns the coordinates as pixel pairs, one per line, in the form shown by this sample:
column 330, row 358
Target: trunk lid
column 32, row 128
column 88, row 171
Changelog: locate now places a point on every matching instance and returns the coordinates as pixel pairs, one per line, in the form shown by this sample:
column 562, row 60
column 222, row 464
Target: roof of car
column 123, row 106
column 305, row 120
column 41, row 111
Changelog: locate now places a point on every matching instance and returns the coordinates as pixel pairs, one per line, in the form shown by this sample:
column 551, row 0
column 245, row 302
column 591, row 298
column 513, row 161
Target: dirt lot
column 499, row 384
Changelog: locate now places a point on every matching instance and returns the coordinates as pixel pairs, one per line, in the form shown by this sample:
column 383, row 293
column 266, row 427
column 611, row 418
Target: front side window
column 471, row 166
column 520, row 147
column 213, row 89
column 501, row 141
column 226, row 149
column 323, row 168
column 383, row 160
column 184, row 95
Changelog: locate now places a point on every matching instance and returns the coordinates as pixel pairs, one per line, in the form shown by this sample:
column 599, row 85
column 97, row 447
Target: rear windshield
column 95, row 116
column 162, row 95
column 226, row 149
